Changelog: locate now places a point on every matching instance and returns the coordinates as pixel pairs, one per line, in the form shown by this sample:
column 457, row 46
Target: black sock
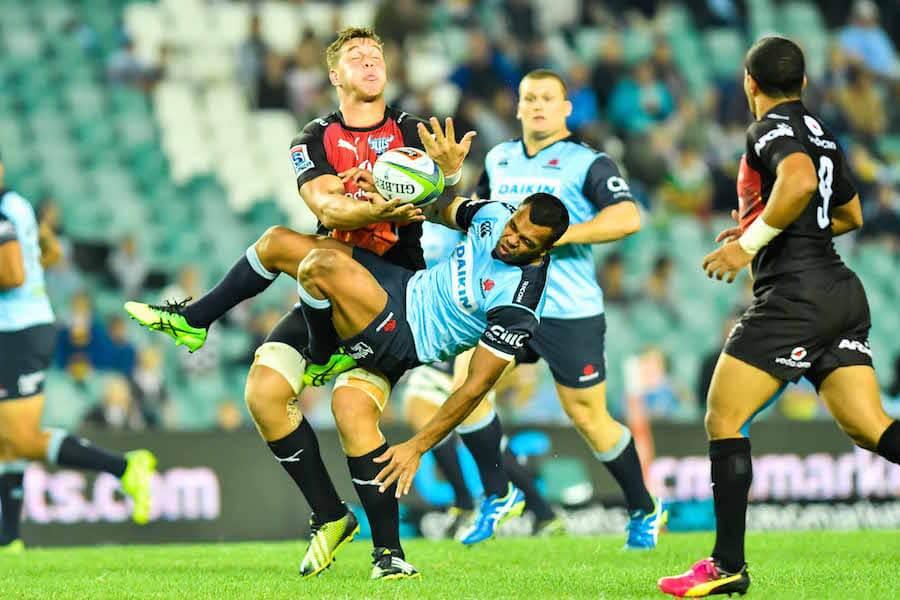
column 732, row 473
column 889, row 444
column 11, row 494
column 523, row 480
column 298, row 453
column 69, row 451
column 484, row 444
column 381, row 509
column 323, row 340
column 447, row 458
column 625, row 466
column 244, row 280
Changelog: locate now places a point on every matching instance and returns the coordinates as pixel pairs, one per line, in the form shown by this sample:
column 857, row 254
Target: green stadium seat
column 725, row 50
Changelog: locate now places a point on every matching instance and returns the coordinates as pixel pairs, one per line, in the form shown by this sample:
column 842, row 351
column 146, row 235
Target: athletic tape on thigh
column 374, row 386
column 745, row 428
column 283, row 359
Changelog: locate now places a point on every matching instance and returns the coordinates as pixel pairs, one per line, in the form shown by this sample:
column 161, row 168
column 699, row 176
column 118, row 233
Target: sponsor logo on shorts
column 301, row 160
column 388, row 322
column 796, row 359
column 360, row 350
column 588, row 373
column 856, row 345
column 380, row 144
column 782, row 129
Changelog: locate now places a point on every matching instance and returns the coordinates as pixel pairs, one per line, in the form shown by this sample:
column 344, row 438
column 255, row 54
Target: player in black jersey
column 809, row 316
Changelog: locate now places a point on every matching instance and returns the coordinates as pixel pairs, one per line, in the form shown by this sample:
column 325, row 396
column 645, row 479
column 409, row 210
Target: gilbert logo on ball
column 408, row 174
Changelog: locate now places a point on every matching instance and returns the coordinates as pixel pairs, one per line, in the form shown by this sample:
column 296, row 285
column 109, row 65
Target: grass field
column 814, row 565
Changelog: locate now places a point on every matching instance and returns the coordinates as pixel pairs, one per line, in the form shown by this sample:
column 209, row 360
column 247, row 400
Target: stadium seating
column 196, row 174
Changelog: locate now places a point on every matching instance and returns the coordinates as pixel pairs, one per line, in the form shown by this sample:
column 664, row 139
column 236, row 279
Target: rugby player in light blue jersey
column 549, row 159
column 426, row 389
column 27, row 338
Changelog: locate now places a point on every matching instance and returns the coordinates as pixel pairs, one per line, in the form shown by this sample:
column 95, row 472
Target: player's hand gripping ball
column 408, row 175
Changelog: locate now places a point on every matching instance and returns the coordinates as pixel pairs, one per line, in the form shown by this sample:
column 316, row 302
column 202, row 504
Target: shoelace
column 171, row 307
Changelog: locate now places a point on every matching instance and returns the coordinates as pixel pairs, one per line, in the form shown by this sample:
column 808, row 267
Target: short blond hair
column 333, row 52
column 547, row 74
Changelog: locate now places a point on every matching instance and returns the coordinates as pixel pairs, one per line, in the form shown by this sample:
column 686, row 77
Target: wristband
column 757, row 235
column 451, row 180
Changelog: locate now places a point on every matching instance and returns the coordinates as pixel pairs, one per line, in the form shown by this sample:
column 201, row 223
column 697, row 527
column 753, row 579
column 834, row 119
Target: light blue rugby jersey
column 471, row 297
column 438, row 242
column 587, row 181
column 27, row 305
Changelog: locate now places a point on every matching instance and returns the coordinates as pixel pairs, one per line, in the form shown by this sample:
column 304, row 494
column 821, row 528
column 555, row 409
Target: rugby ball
column 408, row 174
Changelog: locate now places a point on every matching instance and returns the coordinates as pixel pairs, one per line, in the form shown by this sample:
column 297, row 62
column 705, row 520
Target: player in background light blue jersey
column 548, row 158
column 27, row 338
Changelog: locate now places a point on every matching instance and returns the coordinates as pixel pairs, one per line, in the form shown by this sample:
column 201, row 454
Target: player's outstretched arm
column 610, row 224
column 846, row 217
column 485, row 369
column 325, row 197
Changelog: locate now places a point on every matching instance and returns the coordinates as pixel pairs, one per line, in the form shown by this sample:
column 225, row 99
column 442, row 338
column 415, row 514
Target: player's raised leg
column 273, row 384
column 854, row 398
column 20, row 430
column 278, row 250
column 737, row 392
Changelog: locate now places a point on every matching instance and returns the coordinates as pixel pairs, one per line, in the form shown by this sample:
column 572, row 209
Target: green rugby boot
column 325, row 539
column 168, row 318
column 318, row 375
column 136, row 482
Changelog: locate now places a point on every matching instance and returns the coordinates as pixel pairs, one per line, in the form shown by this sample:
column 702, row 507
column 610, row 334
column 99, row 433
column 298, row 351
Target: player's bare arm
column 846, row 217
column 610, row 224
column 335, row 210
column 12, row 265
column 795, row 184
column 485, row 370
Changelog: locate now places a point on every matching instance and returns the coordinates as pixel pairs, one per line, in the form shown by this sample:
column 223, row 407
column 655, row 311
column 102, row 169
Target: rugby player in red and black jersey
column 328, row 156
column 809, row 316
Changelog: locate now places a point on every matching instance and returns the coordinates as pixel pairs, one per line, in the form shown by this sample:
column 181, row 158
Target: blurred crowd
column 679, row 146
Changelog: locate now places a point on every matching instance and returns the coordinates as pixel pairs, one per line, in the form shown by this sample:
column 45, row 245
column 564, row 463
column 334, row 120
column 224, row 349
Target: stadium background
column 155, row 134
